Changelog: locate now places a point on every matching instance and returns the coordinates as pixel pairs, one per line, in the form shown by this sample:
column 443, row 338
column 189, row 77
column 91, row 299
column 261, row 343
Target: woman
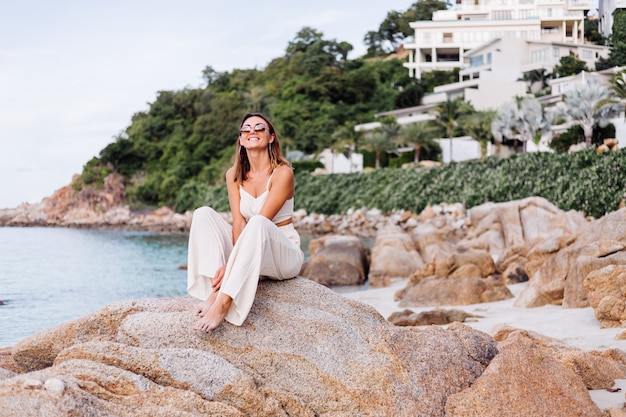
column 226, row 262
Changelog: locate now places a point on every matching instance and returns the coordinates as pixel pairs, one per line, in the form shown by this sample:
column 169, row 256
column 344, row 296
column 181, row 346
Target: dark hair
column 242, row 164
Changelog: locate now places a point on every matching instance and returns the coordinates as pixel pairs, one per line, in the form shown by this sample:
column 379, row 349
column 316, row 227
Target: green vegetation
column 171, row 153
column 176, row 153
column 585, row 181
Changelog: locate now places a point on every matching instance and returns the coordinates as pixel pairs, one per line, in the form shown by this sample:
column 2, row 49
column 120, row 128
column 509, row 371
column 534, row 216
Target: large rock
column 524, row 380
column 607, row 294
column 337, row 260
column 394, row 257
column 498, row 226
column 596, row 369
column 303, row 350
column 529, row 257
column 435, row 291
column 601, row 238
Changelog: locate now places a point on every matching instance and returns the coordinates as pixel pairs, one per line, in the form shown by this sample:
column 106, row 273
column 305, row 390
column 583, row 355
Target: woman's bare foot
column 203, row 307
column 215, row 315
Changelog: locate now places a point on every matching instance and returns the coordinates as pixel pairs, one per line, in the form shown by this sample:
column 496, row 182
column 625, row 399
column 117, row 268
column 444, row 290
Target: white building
column 338, row 163
column 441, row 43
column 495, row 69
column 605, row 15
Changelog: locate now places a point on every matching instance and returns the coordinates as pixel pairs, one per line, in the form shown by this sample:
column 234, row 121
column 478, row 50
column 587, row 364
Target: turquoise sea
column 53, row 275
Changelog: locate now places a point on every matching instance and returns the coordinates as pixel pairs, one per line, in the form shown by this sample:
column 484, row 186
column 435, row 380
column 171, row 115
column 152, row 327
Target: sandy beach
column 575, row 327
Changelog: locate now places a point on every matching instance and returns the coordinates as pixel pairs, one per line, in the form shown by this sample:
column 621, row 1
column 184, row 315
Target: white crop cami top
column 250, row 206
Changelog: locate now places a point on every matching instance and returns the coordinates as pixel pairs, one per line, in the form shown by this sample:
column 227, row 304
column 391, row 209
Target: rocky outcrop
column 94, row 207
column 303, row 350
column 596, row 369
column 560, row 279
column 529, row 383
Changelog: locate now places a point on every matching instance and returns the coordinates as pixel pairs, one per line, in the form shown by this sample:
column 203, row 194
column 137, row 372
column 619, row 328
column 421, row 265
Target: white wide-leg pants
column 262, row 250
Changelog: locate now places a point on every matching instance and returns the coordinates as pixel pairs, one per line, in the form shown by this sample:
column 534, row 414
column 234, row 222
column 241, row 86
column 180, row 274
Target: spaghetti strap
column 267, row 187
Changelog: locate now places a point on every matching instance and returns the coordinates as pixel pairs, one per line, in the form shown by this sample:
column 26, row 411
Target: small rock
column 32, row 383
column 55, row 385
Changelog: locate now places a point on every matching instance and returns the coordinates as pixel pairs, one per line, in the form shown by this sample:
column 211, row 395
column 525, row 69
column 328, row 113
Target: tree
column 306, row 37
column 618, row 84
column 478, row 126
column 569, row 65
column 374, row 42
column 521, row 119
column 537, row 76
column 589, row 105
column 449, row 116
column 411, row 91
column 432, row 79
column 346, row 138
column 419, row 135
column 423, row 10
column 592, row 33
column 396, row 26
column 255, row 100
column 378, row 142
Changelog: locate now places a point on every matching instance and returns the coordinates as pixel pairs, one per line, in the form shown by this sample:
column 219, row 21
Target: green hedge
column 583, row 181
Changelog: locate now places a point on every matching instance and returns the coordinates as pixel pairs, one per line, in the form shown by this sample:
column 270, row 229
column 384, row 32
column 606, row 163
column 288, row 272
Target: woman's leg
column 262, row 249
column 210, row 244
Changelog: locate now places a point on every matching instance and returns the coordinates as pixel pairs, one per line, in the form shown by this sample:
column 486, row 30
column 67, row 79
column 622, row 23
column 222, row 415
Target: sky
column 72, row 73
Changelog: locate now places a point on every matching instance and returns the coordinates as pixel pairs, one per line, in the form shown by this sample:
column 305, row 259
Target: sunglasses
column 248, row 129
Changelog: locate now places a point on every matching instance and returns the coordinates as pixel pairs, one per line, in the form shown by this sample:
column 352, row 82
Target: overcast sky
column 72, row 73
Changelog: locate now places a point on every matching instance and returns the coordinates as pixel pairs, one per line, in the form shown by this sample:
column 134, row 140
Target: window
column 447, row 37
column 477, row 61
column 556, row 53
column 540, row 55
column 586, row 54
column 501, row 14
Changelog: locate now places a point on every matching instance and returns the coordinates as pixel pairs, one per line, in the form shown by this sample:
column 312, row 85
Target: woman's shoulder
column 284, row 172
column 284, row 169
column 230, row 175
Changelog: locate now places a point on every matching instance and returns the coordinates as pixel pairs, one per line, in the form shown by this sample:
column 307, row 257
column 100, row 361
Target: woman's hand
column 216, row 282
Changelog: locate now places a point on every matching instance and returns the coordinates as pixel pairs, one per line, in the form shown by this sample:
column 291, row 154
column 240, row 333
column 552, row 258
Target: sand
column 575, row 327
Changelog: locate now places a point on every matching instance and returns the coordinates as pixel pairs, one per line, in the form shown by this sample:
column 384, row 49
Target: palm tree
column 449, row 115
column 618, row 84
column 535, row 76
column 589, row 105
column 378, row 142
column 522, row 119
column 346, row 137
column 390, row 127
column 256, row 99
column 478, row 126
column 419, row 135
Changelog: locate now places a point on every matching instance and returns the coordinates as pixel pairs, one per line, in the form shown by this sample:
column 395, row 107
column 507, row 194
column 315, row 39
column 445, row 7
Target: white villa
column 605, row 18
column 494, row 70
column 493, row 43
column 441, row 43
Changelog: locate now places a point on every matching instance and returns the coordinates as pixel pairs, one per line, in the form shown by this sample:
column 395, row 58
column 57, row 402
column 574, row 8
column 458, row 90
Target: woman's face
column 254, row 133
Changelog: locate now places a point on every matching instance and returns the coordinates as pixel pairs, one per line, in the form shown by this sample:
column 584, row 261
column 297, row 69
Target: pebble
column 32, row 383
column 55, row 385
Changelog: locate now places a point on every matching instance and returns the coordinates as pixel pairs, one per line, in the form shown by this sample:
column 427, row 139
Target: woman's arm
column 234, row 199
column 282, row 188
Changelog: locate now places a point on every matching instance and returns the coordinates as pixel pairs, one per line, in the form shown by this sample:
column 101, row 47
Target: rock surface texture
column 303, row 351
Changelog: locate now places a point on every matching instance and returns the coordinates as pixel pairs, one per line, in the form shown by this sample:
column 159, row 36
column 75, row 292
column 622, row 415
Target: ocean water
column 49, row 276
column 52, row 275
